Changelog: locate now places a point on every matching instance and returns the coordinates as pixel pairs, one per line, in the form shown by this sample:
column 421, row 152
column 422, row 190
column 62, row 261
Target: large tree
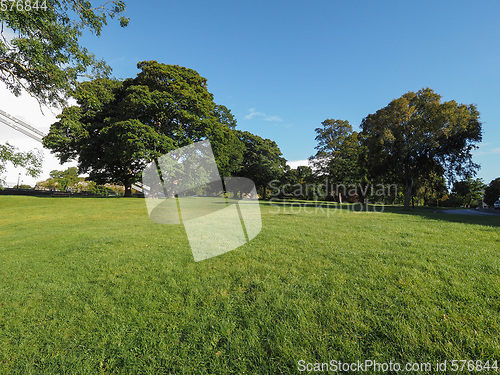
column 120, row 126
column 262, row 160
column 40, row 49
column 416, row 135
column 338, row 154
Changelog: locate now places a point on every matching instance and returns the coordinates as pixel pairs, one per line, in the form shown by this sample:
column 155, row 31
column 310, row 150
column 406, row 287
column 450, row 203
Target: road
column 470, row 211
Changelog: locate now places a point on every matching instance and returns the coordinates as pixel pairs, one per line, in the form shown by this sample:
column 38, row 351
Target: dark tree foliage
column 468, row 190
column 120, row 126
column 492, row 192
column 417, row 135
column 262, row 160
column 298, row 183
column 339, row 154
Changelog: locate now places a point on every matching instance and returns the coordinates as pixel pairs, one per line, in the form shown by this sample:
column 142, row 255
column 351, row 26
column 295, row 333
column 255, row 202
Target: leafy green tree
column 492, row 192
column 65, row 179
column 227, row 147
column 31, row 160
column 300, row 175
column 338, row 154
column 262, row 160
column 297, row 180
column 224, row 116
column 468, row 190
column 416, row 135
column 40, row 49
column 118, row 127
column 433, row 189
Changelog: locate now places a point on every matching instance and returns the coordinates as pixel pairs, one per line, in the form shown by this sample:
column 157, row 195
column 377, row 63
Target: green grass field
column 94, row 286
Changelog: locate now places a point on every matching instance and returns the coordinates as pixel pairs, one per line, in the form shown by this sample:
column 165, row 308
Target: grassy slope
column 90, row 285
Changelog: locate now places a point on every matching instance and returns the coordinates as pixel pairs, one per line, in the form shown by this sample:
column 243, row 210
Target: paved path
column 470, row 211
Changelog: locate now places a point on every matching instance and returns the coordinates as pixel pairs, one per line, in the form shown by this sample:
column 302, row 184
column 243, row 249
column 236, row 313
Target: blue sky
column 282, row 67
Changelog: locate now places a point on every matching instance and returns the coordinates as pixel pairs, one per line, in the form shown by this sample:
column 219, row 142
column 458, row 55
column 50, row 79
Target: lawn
column 93, row 285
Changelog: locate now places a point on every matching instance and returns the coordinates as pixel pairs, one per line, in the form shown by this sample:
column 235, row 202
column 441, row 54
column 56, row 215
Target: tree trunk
column 408, row 188
column 340, row 197
column 128, row 189
column 362, row 196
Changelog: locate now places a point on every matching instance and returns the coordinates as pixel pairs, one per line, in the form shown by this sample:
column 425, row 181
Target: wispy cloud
column 253, row 114
column 488, row 152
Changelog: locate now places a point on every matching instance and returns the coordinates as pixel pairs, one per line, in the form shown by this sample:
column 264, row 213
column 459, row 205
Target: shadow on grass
column 430, row 213
column 73, row 196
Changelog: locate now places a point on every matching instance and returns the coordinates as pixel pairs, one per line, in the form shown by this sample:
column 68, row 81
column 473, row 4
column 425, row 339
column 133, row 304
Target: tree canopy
column 468, row 190
column 40, row 49
column 492, row 192
column 118, row 127
column 262, row 160
column 416, row 135
column 338, row 153
column 65, row 179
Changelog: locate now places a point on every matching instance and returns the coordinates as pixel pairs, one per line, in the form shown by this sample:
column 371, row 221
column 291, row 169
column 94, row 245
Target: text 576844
column 22, row 5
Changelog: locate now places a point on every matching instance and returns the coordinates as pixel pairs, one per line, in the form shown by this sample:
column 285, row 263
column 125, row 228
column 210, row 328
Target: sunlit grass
column 93, row 285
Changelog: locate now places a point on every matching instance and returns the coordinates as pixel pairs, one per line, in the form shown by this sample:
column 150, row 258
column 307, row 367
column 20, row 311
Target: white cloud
column 297, row 163
column 488, row 152
column 253, row 113
column 273, row 118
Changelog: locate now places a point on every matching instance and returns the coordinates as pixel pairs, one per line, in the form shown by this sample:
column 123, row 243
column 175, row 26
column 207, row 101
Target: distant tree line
column 119, row 127
column 69, row 181
column 417, row 143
